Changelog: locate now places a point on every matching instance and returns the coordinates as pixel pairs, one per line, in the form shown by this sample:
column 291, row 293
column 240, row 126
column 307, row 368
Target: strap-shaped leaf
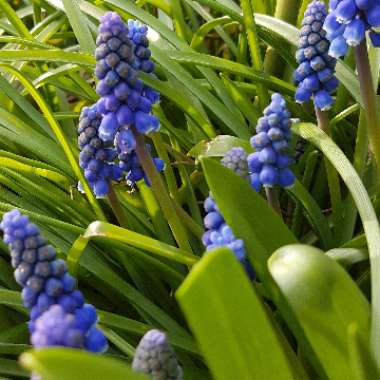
column 69, row 364
column 231, row 324
column 325, row 301
column 248, row 214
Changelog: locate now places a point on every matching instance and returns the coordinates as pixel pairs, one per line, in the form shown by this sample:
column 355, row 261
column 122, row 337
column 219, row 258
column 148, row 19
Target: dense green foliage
column 314, row 313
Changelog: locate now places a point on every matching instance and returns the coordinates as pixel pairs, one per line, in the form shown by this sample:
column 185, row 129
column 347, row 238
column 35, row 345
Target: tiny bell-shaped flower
column 155, row 357
column 269, row 165
column 315, row 74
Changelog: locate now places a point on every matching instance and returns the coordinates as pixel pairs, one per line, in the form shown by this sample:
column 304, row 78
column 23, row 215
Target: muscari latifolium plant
column 190, row 198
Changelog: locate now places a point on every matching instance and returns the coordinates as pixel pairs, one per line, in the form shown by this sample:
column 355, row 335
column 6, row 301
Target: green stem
column 286, row 10
column 254, row 47
column 360, row 156
column 332, row 176
column 369, row 98
column 116, row 207
column 161, row 193
column 272, row 198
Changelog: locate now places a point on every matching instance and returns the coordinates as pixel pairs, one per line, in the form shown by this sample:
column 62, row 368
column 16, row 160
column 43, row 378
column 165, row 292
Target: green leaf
column 324, row 300
column 313, row 134
column 232, row 67
column 59, row 135
column 69, row 364
column 109, row 231
column 247, row 213
column 231, row 323
column 348, row 256
column 14, row 19
column 313, row 212
column 52, row 55
column 79, row 24
column 218, row 146
column 205, row 29
column 12, row 368
column 361, row 360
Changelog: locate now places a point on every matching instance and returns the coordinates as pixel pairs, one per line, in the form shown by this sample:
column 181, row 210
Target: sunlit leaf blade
column 363, row 203
column 218, row 146
column 230, row 322
column 362, row 363
column 109, row 231
column 79, row 25
column 297, row 270
column 64, row 364
column 247, row 213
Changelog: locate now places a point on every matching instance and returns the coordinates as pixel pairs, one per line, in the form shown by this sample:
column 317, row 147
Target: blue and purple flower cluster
column 58, row 314
column 125, row 104
column 315, row 73
column 155, row 357
column 348, row 22
column 218, row 233
column 269, row 165
column 96, row 156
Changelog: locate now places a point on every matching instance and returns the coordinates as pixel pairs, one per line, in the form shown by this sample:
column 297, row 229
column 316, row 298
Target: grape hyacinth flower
column 218, row 233
column 236, row 160
column 155, row 357
column 130, row 164
column 348, row 22
column 315, row 73
column 58, row 314
column 269, row 165
column 126, row 102
column 96, row 156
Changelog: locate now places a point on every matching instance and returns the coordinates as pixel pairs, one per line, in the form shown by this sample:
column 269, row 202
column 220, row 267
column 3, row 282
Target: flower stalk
column 161, row 193
column 369, row 99
column 117, row 207
column 272, row 199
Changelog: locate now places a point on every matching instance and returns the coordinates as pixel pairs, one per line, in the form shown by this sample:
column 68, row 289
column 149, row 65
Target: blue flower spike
column 125, row 103
column 218, row 233
column 269, row 165
column 58, row 314
column 314, row 76
column 155, row 357
column 348, row 22
column 96, row 156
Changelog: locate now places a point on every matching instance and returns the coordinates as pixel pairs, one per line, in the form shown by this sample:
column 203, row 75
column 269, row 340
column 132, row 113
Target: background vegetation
column 309, row 315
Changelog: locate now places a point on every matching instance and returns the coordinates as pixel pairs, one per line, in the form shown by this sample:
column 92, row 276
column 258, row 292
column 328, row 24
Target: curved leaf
column 248, row 214
column 313, row 134
column 110, row 231
column 324, row 300
column 231, row 321
column 49, row 364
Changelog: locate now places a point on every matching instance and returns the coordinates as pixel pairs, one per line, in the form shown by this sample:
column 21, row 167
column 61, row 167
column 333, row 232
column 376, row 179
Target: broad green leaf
column 313, row 134
column 69, row 364
column 248, row 214
column 230, row 322
column 218, row 146
column 362, row 363
column 324, row 300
